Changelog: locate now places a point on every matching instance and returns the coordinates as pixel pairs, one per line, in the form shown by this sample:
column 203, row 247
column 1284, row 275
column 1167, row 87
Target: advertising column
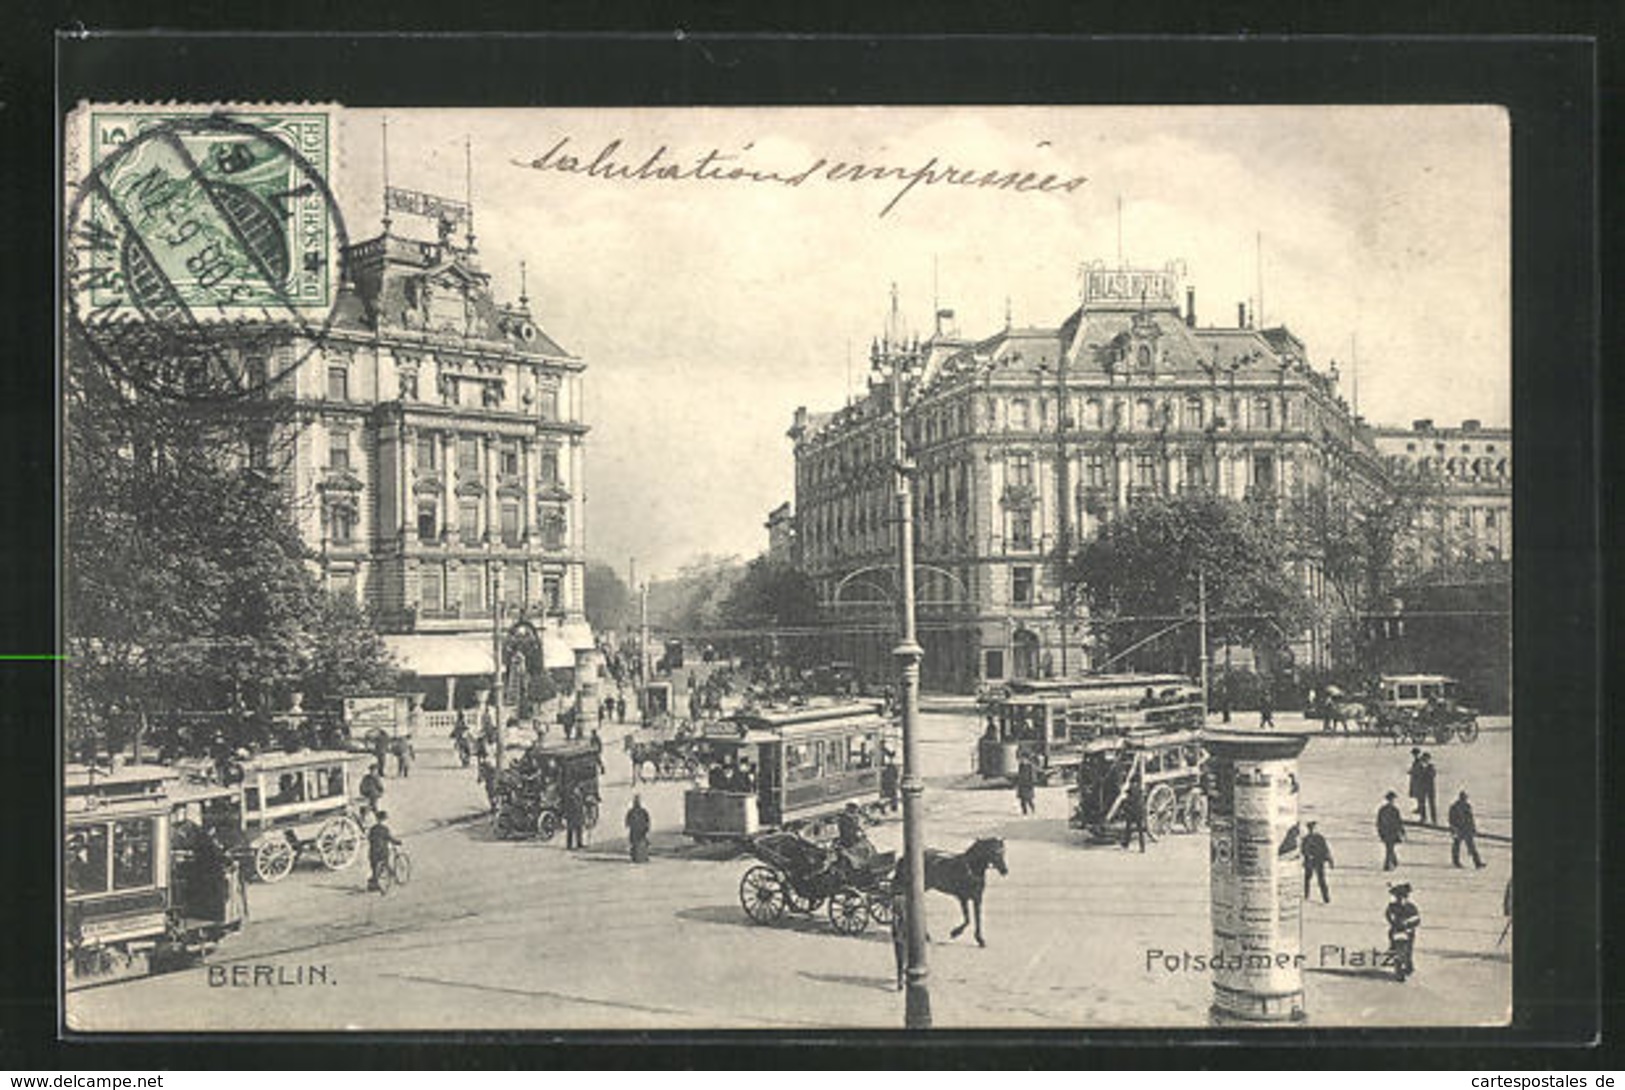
column 1255, row 871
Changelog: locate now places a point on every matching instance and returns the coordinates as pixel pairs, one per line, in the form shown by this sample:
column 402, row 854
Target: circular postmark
column 203, row 252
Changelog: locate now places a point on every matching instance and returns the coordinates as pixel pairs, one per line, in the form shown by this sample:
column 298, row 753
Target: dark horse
column 963, row 876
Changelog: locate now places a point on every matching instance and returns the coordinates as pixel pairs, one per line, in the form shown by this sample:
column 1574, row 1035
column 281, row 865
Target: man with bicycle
column 379, row 842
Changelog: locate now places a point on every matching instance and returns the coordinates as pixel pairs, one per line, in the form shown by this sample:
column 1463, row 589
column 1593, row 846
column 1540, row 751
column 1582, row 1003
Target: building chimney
column 1421, row 425
column 1241, row 315
column 1470, row 425
column 1190, row 307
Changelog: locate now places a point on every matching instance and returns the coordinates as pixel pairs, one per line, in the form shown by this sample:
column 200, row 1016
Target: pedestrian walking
column 1317, row 856
column 1463, row 829
column 380, row 749
column 575, row 821
column 1403, row 919
column 1390, row 829
column 402, row 748
column 1414, row 788
column 1428, row 804
column 1134, row 816
column 1224, row 699
column 637, row 830
column 620, row 709
column 1026, row 781
column 889, row 777
column 372, row 789
column 1266, row 704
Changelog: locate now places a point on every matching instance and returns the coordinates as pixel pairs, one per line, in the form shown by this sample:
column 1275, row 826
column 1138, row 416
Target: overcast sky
column 708, row 310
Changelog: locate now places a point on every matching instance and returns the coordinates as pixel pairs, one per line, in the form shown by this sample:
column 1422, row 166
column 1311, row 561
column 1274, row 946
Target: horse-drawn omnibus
column 294, row 803
column 139, row 879
column 788, row 768
column 1169, row 767
column 1049, row 721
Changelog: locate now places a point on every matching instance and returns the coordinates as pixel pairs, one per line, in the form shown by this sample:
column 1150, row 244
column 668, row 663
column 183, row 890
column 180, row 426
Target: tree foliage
column 1141, row 573
column 770, row 595
column 187, row 585
column 609, row 601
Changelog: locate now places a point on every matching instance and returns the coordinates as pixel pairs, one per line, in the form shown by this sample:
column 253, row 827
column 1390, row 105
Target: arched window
column 1143, row 357
column 1092, row 414
column 1193, row 413
column 1263, row 414
column 1144, row 414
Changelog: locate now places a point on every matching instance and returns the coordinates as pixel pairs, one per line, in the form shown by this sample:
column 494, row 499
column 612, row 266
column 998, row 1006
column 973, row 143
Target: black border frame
column 1548, row 85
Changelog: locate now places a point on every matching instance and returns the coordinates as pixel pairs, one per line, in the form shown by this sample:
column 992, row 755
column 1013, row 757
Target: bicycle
column 397, row 871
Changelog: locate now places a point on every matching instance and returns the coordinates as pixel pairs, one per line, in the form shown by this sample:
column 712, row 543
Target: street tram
column 140, row 881
column 1170, row 767
column 785, row 768
column 1049, row 721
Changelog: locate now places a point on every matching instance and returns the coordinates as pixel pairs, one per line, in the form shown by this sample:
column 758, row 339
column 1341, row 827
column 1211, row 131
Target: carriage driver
column 851, row 842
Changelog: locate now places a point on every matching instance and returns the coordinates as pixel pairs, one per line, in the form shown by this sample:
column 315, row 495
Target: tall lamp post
column 896, row 361
column 496, row 658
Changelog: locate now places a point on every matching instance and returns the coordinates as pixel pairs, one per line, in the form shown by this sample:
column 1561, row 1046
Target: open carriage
column 531, row 794
column 1169, row 768
column 664, row 752
column 142, row 879
column 797, row 875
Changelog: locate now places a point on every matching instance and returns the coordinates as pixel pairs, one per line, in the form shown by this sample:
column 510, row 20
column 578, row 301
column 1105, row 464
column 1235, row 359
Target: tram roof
column 1418, row 679
column 81, row 779
column 1094, row 681
column 809, row 715
column 305, row 758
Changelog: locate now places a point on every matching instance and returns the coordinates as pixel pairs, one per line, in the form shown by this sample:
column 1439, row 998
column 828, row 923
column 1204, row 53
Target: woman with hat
column 1403, row 920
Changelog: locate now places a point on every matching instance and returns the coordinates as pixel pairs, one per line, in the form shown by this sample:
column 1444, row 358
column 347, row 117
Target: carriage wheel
column 669, row 767
column 648, row 771
column 339, row 843
column 503, row 822
column 849, row 911
column 795, row 902
column 1195, row 815
column 1467, row 729
column 547, row 823
column 589, row 813
column 880, row 907
column 273, row 859
column 1443, row 733
column 763, row 894
column 1161, row 806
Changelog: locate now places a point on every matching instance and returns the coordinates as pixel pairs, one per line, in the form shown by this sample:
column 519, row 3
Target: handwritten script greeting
column 716, row 166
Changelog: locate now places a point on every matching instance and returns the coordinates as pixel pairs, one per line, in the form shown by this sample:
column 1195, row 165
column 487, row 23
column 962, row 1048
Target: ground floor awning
column 578, row 635
column 436, row 655
column 556, row 652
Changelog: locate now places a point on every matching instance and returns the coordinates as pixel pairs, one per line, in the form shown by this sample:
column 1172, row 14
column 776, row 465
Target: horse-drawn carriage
column 1411, row 708
column 531, row 795
column 291, row 804
column 141, row 878
column 664, row 752
column 1048, row 722
column 785, row 768
column 798, row 875
column 1168, row 769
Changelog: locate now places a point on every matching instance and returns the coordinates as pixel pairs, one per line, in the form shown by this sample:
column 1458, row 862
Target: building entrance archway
column 1024, row 654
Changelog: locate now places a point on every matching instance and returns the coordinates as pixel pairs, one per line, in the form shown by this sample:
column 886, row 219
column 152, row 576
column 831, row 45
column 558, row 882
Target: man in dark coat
column 637, row 830
column 1428, row 803
column 1026, row 782
column 889, row 779
column 372, row 787
column 1266, row 704
column 575, row 821
column 1317, row 856
column 1462, row 831
column 379, row 841
column 1414, row 786
column 1390, row 830
column 1134, row 812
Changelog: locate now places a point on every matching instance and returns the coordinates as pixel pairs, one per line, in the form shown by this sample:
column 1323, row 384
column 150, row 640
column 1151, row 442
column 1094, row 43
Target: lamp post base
column 917, row 1013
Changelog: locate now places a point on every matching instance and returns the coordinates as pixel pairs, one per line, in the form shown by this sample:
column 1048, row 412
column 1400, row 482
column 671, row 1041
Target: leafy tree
column 609, row 602
column 1140, row 576
column 770, row 595
column 187, row 585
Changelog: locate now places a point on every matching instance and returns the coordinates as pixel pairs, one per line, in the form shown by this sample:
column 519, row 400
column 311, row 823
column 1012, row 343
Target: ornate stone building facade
column 438, row 458
column 1469, row 469
column 1027, row 441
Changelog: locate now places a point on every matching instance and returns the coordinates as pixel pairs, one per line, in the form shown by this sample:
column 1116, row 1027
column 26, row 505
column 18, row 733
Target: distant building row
column 1026, row 442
